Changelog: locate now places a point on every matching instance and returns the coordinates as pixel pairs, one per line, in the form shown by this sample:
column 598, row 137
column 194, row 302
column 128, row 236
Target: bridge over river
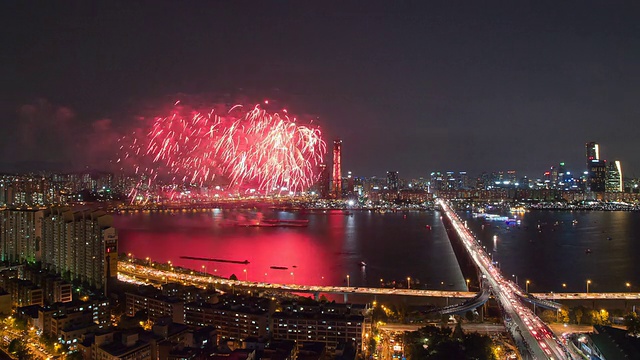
column 534, row 338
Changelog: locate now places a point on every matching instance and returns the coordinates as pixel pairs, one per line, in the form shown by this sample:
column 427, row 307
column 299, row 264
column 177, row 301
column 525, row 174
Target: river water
column 552, row 248
column 394, row 246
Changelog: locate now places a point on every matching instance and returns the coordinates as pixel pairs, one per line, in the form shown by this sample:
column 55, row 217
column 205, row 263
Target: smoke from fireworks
column 254, row 148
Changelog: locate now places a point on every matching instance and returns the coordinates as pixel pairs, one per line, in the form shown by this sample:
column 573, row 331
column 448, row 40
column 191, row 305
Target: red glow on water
column 263, row 249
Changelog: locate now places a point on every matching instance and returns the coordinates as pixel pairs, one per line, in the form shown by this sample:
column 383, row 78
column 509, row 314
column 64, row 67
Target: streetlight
column 628, row 285
column 293, row 278
column 245, row 275
column 468, row 284
column 588, row 283
column 148, row 260
column 527, row 286
column 564, row 286
column 204, row 270
column 408, row 282
column 348, row 283
column 515, row 276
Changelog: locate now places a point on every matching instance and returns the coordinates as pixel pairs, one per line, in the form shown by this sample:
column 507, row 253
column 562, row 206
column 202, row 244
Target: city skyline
column 346, row 180
column 426, row 86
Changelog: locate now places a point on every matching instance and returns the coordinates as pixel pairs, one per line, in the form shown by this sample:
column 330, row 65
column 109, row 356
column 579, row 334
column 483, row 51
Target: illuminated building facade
column 596, row 168
column 597, row 176
column 324, row 182
column 392, row 180
column 593, row 152
column 82, row 244
column 20, row 235
column 614, row 177
column 337, row 169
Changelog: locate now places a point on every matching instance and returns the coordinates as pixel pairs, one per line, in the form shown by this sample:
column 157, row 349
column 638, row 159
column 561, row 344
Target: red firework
column 254, row 148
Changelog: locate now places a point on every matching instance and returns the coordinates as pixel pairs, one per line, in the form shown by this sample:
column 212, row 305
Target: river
column 548, row 248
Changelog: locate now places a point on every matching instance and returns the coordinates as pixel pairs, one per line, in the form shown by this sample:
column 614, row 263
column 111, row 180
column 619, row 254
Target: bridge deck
column 152, row 273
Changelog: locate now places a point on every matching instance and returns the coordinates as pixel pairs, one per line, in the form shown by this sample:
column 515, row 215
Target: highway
column 481, row 298
column 588, row 296
column 534, row 338
column 127, row 271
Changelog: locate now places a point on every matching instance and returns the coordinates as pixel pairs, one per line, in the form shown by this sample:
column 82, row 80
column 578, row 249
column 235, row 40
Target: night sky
column 409, row 86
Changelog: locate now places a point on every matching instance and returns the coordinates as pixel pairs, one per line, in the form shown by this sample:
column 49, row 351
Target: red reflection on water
column 293, row 249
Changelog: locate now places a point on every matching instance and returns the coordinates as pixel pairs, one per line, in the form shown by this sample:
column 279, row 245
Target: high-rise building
column 20, row 235
column 464, row 181
column 392, row 180
column 596, row 168
column 436, row 182
column 324, row 182
column 614, row 177
column 337, row 169
column 451, row 183
column 593, row 152
column 81, row 245
column 597, row 176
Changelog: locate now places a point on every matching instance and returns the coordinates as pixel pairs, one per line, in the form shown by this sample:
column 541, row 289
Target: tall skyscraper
column 392, row 180
column 324, row 182
column 593, row 152
column 337, row 169
column 20, row 235
column 463, row 181
column 350, row 183
column 596, row 168
column 436, row 182
column 597, row 176
column 80, row 245
column 614, row 177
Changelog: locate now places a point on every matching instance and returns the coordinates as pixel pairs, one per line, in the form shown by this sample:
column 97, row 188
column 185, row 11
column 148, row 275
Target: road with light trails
column 142, row 272
column 139, row 271
column 588, row 296
column 539, row 340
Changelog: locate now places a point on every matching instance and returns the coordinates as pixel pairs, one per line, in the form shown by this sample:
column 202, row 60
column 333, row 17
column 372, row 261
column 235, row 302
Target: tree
column 48, row 341
column 632, row 322
column 20, row 324
column 563, row 315
column 233, row 277
column 448, row 350
column 371, row 346
column 477, row 346
column 19, row 349
column 457, row 331
column 600, row 317
column 548, row 316
column 578, row 314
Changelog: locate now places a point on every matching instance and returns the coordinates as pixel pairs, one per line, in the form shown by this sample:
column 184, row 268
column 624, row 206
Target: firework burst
column 254, row 148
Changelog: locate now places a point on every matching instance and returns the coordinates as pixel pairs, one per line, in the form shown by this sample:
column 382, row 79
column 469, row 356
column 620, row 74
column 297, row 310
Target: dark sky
column 409, row 86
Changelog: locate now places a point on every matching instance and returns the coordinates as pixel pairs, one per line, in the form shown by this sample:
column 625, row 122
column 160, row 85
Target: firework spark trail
column 250, row 148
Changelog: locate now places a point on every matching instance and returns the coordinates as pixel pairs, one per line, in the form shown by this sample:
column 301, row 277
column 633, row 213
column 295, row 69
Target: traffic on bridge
column 128, row 271
column 534, row 338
